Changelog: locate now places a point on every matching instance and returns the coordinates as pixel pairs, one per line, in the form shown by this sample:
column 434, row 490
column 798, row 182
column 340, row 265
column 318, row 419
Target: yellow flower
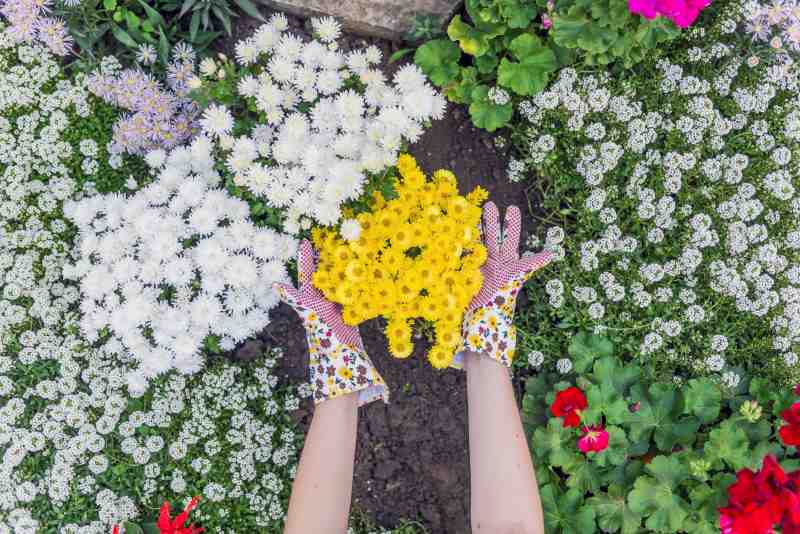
column 345, row 373
column 440, row 357
column 418, row 255
column 478, row 196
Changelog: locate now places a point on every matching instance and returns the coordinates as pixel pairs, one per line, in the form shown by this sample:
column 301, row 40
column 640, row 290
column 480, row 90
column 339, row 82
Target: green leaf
column 110, row 5
column 224, row 18
column 486, row 114
column 150, row 528
column 604, row 400
column 472, row 41
column 187, row 5
column 461, row 92
column 250, row 8
column 703, row 399
column 575, row 30
column 153, row 16
column 583, row 475
column 585, row 347
column 486, row 63
column 163, row 46
column 400, row 54
column 123, row 37
column 617, row 451
column 556, row 443
column 566, row 513
column 132, row 528
column 132, row 20
column 653, row 32
column 728, row 444
column 438, row 59
column 654, row 412
column 655, row 497
column 613, row 512
column 194, row 26
column 529, row 75
column 607, row 370
column 679, row 432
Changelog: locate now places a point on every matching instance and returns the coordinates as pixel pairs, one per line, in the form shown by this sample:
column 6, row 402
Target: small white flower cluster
column 330, row 120
column 66, row 418
column 688, row 211
column 174, row 263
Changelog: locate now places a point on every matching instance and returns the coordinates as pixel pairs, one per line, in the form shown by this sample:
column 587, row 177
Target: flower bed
column 674, row 195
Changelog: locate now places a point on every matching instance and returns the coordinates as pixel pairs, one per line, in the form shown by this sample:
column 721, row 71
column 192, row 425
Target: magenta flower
column 682, row 12
column 594, row 439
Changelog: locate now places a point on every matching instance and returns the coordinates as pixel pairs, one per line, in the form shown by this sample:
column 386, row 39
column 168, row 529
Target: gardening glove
column 338, row 364
column 488, row 325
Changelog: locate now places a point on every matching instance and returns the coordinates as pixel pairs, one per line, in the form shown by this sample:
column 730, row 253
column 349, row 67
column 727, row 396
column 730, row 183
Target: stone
column 389, row 19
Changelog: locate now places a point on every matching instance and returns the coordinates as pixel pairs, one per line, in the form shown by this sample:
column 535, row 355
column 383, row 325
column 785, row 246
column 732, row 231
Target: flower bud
column 751, row 411
column 699, row 468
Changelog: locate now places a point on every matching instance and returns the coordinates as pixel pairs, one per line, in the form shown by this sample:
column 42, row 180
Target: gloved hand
column 338, row 364
column 488, row 325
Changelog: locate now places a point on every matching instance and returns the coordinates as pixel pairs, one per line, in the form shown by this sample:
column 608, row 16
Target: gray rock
column 389, row 19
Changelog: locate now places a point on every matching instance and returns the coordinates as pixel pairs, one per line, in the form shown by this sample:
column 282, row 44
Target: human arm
column 342, row 378
column 504, row 493
column 505, row 496
column 321, row 493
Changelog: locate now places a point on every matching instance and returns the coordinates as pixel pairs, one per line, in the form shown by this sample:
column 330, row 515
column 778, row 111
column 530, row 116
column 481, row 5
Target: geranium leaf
column 472, row 41
column 557, row 442
column 132, row 528
column 703, row 399
column 728, row 444
column 613, row 512
column 617, row 451
column 583, row 475
column 485, row 113
column 566, row 512
column 654, row 496
column 585, row 348
column 607, row 370
column 438, row 59
column 672, row 433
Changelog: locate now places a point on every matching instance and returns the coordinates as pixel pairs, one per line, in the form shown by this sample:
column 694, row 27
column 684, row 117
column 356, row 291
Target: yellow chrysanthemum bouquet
column 415, row 256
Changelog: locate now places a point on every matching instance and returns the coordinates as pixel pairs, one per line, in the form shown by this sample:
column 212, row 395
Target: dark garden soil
column 412, row 459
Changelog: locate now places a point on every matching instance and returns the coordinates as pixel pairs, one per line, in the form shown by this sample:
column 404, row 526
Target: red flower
column 790, row 432
column 595, row 439
column 797, row 389
column 568, row 404
column 759, row 501
column 169, row 526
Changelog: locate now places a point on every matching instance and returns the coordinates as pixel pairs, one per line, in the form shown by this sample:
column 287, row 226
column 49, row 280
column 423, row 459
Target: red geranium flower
column 595, row 439
column 790, row 432
column 169, row 526
column 759, row 501
column 568, row 404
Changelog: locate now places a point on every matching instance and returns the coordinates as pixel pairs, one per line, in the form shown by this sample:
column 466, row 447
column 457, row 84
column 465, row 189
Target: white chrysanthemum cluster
column 330, row 119
column 688, row 208
column 174, row 263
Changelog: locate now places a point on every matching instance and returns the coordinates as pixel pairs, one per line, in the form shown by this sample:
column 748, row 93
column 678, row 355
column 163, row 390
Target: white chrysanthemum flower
column 217, row 120
column 350, row 230
column 327, row 29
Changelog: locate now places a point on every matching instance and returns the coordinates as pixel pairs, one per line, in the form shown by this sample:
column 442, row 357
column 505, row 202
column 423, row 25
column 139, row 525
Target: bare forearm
column 505, row 496
column 321, row 493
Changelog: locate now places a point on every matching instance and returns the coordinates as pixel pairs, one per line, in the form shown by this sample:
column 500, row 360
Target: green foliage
column 425, row 27
column 507, row 44
column 120, row 27
column 672, row 453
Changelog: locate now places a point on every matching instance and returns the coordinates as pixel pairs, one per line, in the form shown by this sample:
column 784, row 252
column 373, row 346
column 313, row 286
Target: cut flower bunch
column 416, row 255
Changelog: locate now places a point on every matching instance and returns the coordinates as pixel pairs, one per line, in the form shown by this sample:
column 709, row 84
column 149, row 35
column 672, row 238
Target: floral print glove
column 489, row 322
column 337, row 361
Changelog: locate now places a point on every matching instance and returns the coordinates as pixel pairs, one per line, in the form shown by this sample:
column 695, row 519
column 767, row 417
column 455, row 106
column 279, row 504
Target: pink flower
column 546, row 22
column 595, row 439
column 681, row 12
